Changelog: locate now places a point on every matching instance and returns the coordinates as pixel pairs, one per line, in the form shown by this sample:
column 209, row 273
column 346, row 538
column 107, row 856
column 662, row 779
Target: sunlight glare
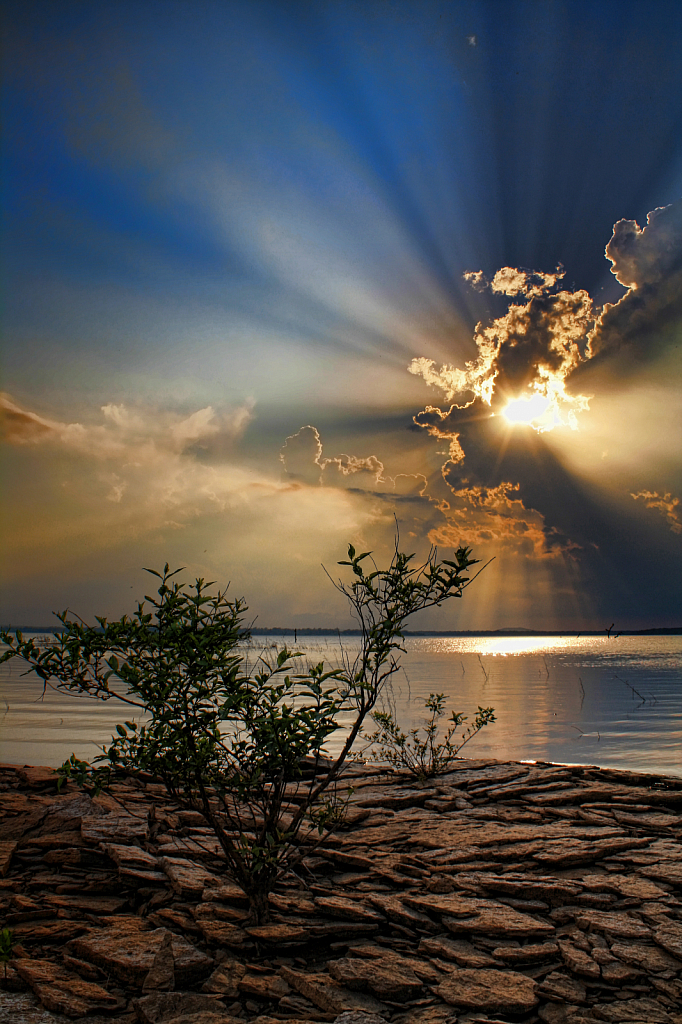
column 528, row 410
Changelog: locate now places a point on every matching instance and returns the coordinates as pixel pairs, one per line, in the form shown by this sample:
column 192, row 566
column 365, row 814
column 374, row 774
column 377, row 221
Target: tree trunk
column 259, row 906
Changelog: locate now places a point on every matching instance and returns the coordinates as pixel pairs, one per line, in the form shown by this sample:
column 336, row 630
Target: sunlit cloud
column 665, row 504
column 525, row 356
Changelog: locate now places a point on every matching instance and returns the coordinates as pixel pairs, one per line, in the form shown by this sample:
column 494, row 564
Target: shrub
column 230, row 743
column 420, row 751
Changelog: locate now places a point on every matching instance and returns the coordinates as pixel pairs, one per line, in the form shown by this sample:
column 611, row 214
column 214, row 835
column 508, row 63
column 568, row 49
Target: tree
column 244, row 748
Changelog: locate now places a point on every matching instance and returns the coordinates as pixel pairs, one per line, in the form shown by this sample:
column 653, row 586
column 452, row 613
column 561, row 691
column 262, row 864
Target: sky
column 278, row 276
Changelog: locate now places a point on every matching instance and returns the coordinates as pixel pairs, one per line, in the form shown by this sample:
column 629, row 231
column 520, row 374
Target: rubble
column 497, row 893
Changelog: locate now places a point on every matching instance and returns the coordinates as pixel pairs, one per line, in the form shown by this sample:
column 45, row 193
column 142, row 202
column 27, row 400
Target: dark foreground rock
column 498, row 893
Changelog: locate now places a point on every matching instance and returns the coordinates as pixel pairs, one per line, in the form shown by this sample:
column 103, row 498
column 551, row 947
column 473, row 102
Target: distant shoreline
column 502, row 633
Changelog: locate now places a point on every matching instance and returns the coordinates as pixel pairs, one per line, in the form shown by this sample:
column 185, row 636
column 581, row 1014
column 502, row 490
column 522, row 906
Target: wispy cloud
column 663, row 503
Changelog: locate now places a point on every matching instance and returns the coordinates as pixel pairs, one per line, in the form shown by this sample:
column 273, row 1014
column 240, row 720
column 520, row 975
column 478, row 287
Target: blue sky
column 226, row 222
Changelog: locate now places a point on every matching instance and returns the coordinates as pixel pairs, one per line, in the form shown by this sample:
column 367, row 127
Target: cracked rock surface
column 500, row 892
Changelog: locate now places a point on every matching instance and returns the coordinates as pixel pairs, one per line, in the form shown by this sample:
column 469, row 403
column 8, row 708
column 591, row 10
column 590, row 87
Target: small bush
column 420, row 751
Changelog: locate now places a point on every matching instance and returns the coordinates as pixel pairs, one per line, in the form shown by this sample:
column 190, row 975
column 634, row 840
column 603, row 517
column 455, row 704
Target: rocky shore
column 501, row 892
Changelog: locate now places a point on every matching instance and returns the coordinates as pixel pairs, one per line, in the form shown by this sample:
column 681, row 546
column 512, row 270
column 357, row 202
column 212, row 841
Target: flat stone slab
column 276, row 933
column 128, row 951
column 62, row 991
column 459, row 950
column 625, row 885
column 386, row 978
column 618, row 924
column 533, row 953
column 633, row 1011
column 167, row 1006
column 561, row 987
column 111, row 828
column 329, row 995
column 484, row 916
column 187, row 878
column 488, row 990
column 350, row 910
column 648, row 958
column 670, row 872
column 670, row 937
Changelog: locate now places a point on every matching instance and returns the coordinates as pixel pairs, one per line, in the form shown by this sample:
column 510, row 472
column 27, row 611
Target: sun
column 536, row 411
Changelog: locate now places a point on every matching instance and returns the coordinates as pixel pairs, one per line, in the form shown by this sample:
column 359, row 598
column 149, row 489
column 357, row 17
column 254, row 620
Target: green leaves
column 419, row 751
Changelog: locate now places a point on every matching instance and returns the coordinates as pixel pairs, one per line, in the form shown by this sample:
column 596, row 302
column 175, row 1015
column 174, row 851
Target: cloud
column 124, row 429
column 301, row 456
column 505, row 483
column 145, row 460
column 527, row 354
column 648, row 262
column 663, row 503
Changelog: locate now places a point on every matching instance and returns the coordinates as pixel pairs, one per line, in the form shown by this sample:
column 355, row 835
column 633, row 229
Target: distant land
column 513, row 631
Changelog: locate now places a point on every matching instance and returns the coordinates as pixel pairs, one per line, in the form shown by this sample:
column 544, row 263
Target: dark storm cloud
column 648, row 262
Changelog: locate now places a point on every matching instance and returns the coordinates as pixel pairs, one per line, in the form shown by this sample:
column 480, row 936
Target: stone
column 352, row 910
column 488, row 990
column 131, row 856
column 359, row 1017
column 624, row 885
column 424, row 970
column 100, row 905
column 569, row 853
column 161, row 976
column 632, row 1011
column 669, row 936
column 167, row 1006
column 533, row 953
column 225, row 979
column 395, row 910
column 6, row 851
column 474, row 915
column 206, row 1017
column 61, row 991
column 187, row 878
column 329, row 996
column 38, row 776
column 223, row 933
column 670, row 872
column 126, row 950
column 218, row 891
column 293, row 904
column 269, row 987
column 386, row 978
column 648, row 958
column 560, row 988
column 459, row 950
column 274, row 934
column 578, row 961
column 619, row 974
column 335, row 931
column 564, row 1013
column 113, row 827
column 221, row 911
column 441, row 884
column 617, row 924
column 540, row 887
column 58, row 930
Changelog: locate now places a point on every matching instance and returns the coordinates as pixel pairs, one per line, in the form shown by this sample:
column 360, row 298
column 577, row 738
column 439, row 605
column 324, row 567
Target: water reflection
column 612, row 701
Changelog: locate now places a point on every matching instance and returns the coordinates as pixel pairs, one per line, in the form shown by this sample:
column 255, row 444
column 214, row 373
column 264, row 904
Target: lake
column 614, row 702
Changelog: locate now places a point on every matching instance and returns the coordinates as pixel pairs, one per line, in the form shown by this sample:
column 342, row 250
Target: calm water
column 612, row 702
